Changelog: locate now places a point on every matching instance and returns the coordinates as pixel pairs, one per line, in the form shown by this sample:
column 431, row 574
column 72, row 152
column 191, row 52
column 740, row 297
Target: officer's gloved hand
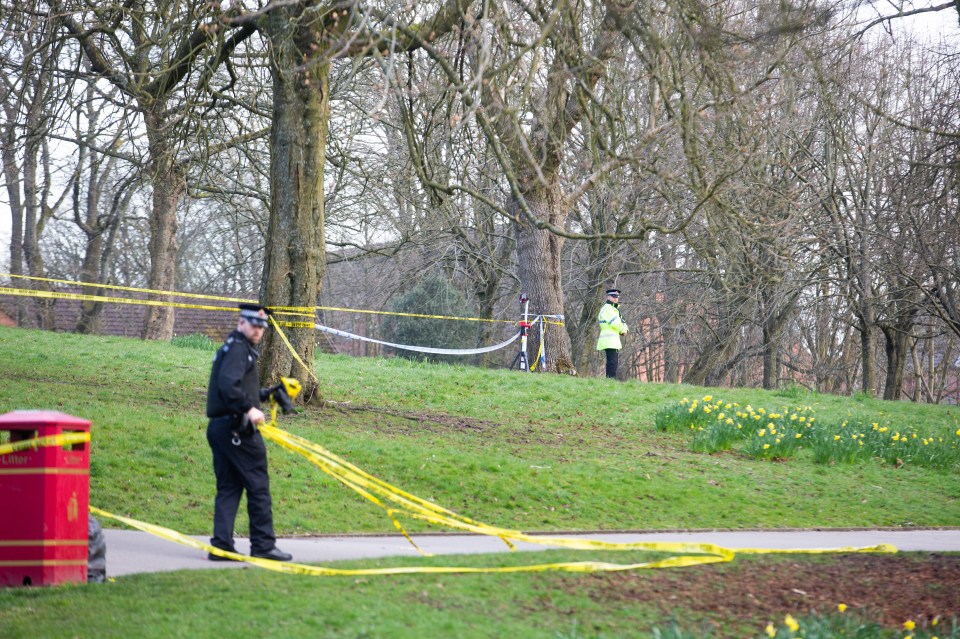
column 278, row 393
column 266, row 392
column 284, row 400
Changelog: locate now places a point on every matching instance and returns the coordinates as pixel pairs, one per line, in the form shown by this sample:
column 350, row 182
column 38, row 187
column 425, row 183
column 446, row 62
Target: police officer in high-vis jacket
column 612, row 327
column 239, row 453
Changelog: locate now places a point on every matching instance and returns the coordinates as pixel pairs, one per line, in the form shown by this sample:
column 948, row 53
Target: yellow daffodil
column 793, row 417
column 770, row 630
column 958, row 432
column 766, row 446
column 706, row 409
column 841, row 607
column 720, row 416
column 836, row 437
column 909, row 625
column 803, row 419
column 729, row 422
column 791, row 623
column 883, row 429
column 708, row 398
column 761, row 432
column 798, row 436
column 684, row 401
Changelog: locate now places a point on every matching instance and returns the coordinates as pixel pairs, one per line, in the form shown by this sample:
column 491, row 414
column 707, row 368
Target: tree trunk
column 11, row 175
column 487, row 298
column 89, row 321
column 770, row 359
column 867, row 360
column 896, row 350
column 169, row 185
column 33, row 225
column 295, row 256
column 704, row 370
column 539, row 264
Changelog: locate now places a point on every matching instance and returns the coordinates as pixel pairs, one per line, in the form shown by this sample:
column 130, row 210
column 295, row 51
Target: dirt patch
column 409, row 422
column 889, row 589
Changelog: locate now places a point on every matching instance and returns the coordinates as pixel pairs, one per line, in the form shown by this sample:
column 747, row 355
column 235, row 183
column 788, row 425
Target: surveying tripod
column 520, row 362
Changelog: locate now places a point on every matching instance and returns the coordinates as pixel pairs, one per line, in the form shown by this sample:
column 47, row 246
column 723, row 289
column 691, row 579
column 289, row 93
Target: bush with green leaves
column 434, row 295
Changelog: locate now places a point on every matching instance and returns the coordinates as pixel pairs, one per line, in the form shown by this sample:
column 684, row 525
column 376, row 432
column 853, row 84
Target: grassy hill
column 536, row 452
column 528, row 451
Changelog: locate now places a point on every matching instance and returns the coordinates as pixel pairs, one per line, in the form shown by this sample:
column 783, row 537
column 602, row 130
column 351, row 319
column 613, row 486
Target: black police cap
column 256, row 314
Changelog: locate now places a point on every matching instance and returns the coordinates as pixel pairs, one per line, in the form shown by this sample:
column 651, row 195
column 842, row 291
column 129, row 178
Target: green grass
column 534, row 452
column 782, row 433
column 217, row 603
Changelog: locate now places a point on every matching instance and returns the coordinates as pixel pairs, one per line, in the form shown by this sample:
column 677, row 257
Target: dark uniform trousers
column 613, row 358
column 238, row 468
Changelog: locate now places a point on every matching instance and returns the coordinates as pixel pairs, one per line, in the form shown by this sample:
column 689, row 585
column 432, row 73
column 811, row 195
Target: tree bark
column 11, row 175
column 89, row 321
column 295, row 258
column 539, row 264
column 896, row 350
column 169, row 186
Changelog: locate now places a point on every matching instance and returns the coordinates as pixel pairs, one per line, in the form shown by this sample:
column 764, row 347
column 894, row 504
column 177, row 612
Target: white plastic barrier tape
column 419, row 349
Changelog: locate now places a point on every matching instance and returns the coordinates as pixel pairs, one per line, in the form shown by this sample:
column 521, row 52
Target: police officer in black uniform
column 239, row 453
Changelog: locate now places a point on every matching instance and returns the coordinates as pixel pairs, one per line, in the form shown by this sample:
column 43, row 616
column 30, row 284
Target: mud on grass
column 887, row 589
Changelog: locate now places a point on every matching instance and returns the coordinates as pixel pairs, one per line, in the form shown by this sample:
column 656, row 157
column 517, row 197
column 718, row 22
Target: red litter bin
column 44, row 500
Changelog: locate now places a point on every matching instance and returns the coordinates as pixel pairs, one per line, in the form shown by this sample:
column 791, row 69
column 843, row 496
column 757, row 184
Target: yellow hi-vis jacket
column 612, row 327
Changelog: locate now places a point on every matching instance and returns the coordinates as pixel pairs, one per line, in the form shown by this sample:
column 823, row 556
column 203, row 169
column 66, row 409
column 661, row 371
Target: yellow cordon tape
column 133, row 289
column 63, row 439
column 369, row 486
column 306, row 311
column 293, row 351
column 26, row 292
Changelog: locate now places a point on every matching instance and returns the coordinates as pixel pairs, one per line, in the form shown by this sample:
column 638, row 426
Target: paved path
column 130, row 552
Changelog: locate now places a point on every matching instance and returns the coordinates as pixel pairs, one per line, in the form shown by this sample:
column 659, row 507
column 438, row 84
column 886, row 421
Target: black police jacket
column 234, row 386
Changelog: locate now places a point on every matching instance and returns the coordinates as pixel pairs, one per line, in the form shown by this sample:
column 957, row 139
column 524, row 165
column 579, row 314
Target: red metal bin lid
column 41, row 417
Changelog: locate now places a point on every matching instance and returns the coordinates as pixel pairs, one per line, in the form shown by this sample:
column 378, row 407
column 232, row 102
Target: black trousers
column 238, row 468
column 613, row 358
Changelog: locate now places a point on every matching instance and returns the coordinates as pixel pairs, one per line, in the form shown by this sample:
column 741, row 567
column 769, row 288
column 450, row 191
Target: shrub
column 195, row 340
column 433, row 295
